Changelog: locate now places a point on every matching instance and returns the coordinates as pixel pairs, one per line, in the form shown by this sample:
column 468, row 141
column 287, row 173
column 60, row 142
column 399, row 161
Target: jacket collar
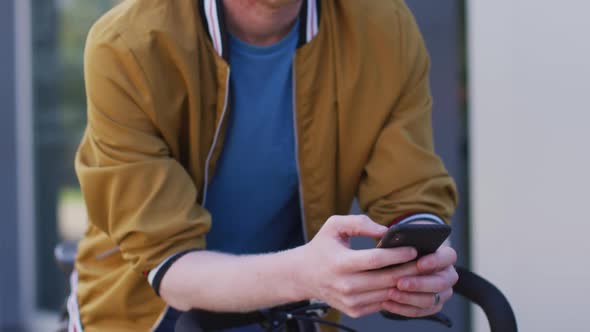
column 212, row 17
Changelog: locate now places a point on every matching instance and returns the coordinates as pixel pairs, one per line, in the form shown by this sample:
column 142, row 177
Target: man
column 226, row 141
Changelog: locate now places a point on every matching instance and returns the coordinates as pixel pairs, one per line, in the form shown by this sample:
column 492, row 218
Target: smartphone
column 426, row 238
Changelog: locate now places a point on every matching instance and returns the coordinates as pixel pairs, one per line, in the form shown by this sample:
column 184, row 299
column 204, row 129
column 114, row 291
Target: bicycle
column 473, row 287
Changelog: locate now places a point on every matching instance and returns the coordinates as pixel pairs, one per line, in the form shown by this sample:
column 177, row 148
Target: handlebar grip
column 493, row 302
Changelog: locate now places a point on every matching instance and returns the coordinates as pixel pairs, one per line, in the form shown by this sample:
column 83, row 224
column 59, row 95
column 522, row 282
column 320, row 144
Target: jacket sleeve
column 404, row 178
column 135, row 192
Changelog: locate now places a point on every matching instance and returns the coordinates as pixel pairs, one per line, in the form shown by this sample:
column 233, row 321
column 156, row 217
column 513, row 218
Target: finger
column 351, row 226
column 378, row 258
column 364, row 310
column 367, row 298
column 384, row 278
column 434, row 283
column 408, row 310
column 419, row 300
column 444, row 257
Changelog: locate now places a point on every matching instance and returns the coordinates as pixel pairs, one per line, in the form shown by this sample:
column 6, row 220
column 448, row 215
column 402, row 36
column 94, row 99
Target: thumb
column 351, row 226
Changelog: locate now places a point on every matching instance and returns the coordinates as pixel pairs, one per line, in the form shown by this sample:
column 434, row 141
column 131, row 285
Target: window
column 59, row 29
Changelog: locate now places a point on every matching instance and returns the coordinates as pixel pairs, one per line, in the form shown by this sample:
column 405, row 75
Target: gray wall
column 9, row 278
column 530, row 157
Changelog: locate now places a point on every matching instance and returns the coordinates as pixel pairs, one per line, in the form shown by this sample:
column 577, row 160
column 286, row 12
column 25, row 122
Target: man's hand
column 356, row 282
column 360, row 282
column 415, row 296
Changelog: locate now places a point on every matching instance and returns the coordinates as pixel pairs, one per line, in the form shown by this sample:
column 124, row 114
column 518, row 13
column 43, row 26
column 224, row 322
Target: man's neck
column 261, row 22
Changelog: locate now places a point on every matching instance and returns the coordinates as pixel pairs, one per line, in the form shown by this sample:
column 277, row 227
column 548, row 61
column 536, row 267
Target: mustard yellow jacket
column 157, row 90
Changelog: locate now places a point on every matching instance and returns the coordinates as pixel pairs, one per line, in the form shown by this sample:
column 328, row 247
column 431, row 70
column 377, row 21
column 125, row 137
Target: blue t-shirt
column 253, row 197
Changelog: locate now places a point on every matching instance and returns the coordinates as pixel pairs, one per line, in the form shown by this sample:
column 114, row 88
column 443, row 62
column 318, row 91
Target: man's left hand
column 426, row 293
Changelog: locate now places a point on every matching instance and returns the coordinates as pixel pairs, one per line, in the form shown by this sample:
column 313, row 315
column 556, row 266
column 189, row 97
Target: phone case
column 426, row 238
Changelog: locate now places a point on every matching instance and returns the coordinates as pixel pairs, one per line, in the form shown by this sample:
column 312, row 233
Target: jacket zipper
column 301, row 207
column 215, row 138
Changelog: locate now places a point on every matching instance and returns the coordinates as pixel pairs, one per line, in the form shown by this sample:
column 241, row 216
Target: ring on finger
column 436, row 299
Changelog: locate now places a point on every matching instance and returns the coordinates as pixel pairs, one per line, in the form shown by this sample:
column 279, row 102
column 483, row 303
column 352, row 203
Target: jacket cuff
column 413, row 217
column 156, row 275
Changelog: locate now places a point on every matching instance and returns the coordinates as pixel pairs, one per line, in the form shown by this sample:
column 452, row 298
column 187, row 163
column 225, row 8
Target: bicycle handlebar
column 493, row 302
column 471, row 286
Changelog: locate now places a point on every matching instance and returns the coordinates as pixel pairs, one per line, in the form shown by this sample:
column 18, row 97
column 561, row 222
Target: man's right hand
column 356, row 282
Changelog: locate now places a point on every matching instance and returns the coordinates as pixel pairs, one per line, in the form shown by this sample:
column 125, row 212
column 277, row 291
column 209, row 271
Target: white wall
column 530, row 156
